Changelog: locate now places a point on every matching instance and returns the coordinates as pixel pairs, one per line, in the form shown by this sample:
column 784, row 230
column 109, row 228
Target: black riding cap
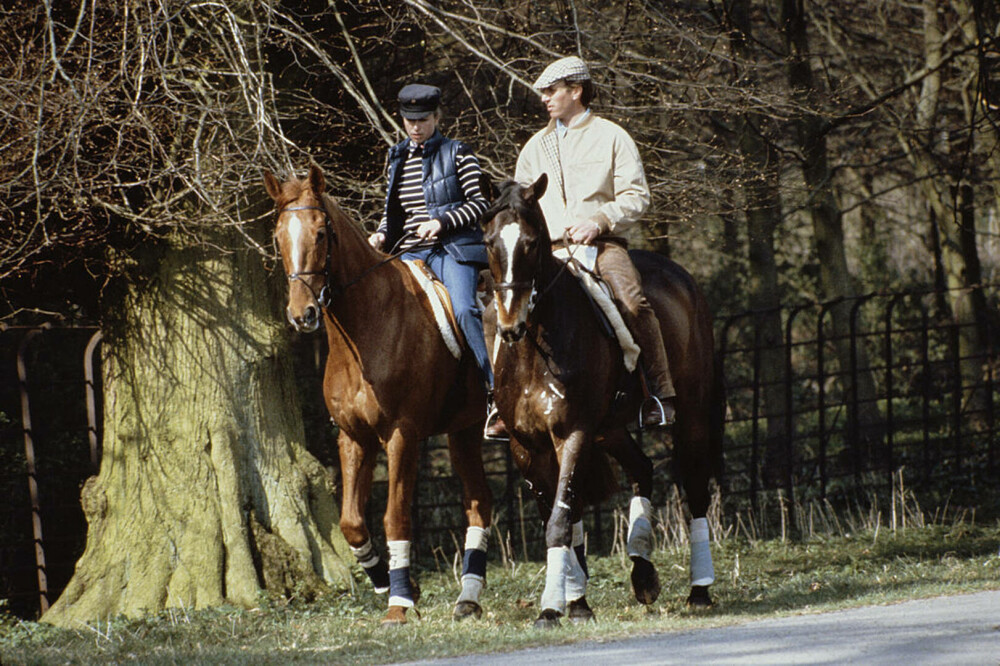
column 417, row 101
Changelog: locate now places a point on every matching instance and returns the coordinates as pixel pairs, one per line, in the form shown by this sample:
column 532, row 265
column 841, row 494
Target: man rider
column 597, row 189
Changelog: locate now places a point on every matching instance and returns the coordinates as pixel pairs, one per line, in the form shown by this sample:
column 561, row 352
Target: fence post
column 755, row 412
column 723, row 350
column 29, row 454
column 956, row 398
column 88, row 375
column 790, row 407
column 855, row 403
column 890, row 387
column 991, row 359
column 925, row 412
column 821, row 396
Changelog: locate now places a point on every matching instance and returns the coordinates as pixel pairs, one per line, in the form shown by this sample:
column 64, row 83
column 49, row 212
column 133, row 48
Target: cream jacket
column 595, row 173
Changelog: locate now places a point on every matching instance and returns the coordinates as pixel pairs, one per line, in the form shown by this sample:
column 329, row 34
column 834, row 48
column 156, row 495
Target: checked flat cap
column 570, row 68
column 417, row 101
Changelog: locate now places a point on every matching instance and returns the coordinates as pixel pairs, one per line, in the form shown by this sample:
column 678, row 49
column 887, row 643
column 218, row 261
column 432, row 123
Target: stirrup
column 663, row 422
column 492, row 417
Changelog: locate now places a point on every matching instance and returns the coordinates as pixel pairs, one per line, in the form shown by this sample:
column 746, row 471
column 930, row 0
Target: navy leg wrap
column 379, row 575
column 399, row 584
column 474, row 562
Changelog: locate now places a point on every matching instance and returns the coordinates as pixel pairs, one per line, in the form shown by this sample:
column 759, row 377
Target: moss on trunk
column 206, row 492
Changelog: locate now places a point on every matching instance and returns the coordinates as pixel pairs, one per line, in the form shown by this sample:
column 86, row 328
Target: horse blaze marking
column 508, row 241
column 294, row 236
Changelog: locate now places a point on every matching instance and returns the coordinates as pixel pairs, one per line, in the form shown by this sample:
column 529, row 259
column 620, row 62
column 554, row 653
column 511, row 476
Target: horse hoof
column 578, row 611
column 549, row 619
column 396, row 617
column 645, row 580
column 699, row 598
column 467, row 609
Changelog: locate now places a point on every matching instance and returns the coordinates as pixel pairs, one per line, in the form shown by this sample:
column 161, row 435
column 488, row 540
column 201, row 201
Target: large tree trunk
column 206, row 493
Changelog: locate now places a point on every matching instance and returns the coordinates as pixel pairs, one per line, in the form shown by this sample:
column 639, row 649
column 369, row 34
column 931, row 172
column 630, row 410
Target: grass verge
column 755, row 579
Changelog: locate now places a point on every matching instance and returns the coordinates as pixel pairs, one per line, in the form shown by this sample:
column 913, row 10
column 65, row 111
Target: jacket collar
column 430, row 145
column 584, row 122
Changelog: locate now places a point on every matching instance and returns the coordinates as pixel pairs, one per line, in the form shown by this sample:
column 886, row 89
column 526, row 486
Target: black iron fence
column 826, row 401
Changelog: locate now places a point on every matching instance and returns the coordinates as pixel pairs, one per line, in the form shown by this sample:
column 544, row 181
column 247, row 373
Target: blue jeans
column 461, row 280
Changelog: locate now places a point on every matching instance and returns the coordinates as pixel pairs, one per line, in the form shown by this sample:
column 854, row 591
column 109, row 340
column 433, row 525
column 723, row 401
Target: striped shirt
column 411, row 196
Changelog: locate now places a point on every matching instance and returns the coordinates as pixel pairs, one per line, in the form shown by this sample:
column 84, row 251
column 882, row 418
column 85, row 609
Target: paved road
column 946, row 630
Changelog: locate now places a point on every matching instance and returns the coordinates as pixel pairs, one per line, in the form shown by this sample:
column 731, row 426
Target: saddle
column 437, row 296
column 580, row 260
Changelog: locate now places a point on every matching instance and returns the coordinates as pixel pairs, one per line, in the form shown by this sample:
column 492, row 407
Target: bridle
column 329, row 291
column 325, row 296
column 524, row 284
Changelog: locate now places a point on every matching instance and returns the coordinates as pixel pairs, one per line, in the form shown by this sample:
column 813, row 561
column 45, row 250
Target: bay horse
column 559, row 387
column 390, row 382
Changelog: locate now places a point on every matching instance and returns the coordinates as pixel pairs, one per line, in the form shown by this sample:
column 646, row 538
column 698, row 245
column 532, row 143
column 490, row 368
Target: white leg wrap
column 554, row 596
column 399, row 558
column 399, row 554
column 640, row 528
column 476, row 539
column 368, row 558
column 365, row 555
column 702, row 571
column 576, row 579
column 471, row 587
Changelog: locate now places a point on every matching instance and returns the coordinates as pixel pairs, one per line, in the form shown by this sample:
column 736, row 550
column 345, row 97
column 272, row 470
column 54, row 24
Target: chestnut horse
column 390, row 382
column 562, row 389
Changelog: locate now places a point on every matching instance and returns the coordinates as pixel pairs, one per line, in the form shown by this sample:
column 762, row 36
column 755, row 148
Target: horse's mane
column 340, row 218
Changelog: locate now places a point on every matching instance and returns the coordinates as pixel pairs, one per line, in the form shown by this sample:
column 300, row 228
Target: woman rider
column 433, row 207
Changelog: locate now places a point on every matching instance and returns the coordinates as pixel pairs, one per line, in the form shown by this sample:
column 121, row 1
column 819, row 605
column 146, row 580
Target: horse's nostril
column 311, row 314
column 512, row 334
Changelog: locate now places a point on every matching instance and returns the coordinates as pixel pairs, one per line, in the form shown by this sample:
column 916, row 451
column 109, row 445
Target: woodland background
column 797, row 151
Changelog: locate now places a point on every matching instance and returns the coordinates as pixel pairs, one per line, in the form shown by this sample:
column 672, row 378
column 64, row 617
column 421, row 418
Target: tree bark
column 206, row 493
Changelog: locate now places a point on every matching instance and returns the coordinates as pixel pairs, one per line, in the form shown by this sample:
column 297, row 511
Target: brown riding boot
column 658, row 409
column 616, row 268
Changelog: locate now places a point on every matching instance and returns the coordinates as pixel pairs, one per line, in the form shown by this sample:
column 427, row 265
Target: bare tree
column 131, row 134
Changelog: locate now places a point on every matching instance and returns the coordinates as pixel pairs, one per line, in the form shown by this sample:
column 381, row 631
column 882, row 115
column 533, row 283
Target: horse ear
column 537, row 188
column 316, row 179
column 272, row 185
column 487, row 187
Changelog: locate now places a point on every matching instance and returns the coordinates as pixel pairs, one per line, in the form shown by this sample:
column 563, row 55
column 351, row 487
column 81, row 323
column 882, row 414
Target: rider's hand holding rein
column 429, row 230
column 377, row 240
column 584, row 233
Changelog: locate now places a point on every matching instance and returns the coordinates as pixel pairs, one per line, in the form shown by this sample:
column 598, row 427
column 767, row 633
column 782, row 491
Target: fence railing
column 828, row 409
